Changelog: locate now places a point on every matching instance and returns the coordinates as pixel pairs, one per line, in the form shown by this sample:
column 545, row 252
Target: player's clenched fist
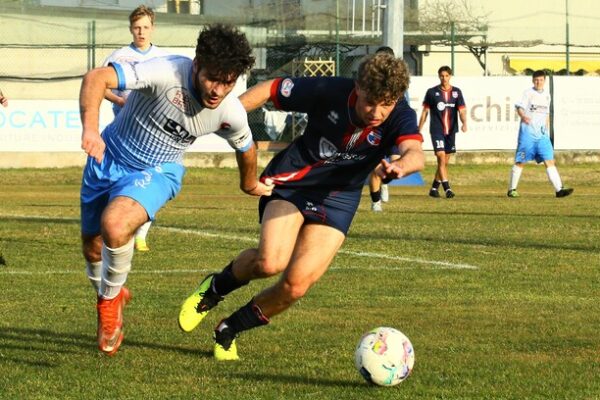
column 93, row 145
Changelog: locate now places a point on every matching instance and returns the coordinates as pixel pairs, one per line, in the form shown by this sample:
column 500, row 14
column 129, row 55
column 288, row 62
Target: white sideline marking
column 433, row 263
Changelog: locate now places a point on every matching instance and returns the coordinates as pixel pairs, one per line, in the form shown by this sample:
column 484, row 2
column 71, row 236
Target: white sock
column 515, row 175
column 554, row 177
column 116, row 264
column 94, row 273
column 142, row 231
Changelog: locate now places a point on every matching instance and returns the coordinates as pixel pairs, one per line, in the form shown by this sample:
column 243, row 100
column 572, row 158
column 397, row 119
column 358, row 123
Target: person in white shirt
column 136, row 165
column 141, row 26
column 534, row 141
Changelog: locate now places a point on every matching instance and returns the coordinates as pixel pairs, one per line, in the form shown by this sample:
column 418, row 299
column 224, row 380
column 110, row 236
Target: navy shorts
column 445, row 143
column 332, row 208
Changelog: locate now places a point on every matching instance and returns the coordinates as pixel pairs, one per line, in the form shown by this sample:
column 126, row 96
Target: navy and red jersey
column 443, row 106
column 334, row 152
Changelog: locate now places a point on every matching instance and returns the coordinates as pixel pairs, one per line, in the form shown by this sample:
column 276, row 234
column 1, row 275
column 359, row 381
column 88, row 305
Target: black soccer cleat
column 564, row 192
column 434, row 193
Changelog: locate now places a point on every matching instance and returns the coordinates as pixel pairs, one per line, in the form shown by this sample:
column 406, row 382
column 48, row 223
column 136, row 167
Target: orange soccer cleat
column 110, row 321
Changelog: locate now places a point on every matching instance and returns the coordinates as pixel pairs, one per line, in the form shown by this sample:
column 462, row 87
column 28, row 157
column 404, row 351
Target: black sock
column 446, row 185
column 436, row 184
column 247, row 317
column 376, row 196
column 224, row 282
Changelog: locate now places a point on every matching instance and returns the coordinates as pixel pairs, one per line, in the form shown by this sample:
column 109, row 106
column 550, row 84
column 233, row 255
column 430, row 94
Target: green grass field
column 499, row 296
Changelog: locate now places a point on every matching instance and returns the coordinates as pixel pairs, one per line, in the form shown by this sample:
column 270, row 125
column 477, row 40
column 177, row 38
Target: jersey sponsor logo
column 326, row 149
column 441, row 106
column 374, row 138
column 331, row 155
column 178, row 132
column 286, row 87
column 180, row 99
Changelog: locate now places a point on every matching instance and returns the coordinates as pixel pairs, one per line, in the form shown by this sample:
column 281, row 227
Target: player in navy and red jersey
column 446, row 104
column 318, row 183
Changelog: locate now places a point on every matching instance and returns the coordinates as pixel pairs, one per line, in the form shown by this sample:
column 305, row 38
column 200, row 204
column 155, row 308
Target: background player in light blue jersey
column 141, row 26
column 534, row 141
column 135, row 167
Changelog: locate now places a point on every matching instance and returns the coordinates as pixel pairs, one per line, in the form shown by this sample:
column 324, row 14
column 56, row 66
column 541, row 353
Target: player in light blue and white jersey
column 135, row 167
column 534, row 140
column 141, row 27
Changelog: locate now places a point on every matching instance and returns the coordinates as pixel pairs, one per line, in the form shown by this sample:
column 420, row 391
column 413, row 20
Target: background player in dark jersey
column 318, row 184
column 446, row 104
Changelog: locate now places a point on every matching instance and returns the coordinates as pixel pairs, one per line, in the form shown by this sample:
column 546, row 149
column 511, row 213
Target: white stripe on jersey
column 162, row 117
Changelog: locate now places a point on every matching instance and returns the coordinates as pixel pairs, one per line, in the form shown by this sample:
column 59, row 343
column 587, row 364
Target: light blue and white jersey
column 536, row 106
column 163, row 116
column 131, row 54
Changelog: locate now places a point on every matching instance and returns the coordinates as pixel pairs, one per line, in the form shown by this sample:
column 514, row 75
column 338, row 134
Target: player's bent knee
column 294, row 292
column 269, row 267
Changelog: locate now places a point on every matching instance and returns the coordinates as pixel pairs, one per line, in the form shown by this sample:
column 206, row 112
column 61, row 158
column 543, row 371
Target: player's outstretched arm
column 256, row 96
column 93, row 88
column 248, row 182
column 412, row 159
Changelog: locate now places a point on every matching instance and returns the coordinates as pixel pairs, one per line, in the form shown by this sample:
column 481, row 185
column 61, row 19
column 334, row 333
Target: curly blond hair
column 383, row 78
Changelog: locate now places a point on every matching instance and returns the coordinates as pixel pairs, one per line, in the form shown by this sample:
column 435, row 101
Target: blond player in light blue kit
column 534, row 141
column 141, row 26
column 135, row 167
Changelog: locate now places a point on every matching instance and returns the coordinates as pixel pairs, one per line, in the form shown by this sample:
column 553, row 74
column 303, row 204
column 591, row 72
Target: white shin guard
column 116, row 264
column 94, row 273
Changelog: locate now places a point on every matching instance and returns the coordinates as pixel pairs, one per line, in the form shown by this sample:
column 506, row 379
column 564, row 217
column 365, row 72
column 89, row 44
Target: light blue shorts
column 151, row 187
column 531, row 147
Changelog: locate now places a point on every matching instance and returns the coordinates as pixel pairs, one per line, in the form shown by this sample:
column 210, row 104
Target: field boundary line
column 436, row 264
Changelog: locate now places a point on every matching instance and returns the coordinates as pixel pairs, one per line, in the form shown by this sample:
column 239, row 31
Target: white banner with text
column 54, row 125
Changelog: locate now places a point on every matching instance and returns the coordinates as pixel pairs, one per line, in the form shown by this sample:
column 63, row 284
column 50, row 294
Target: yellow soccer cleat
column 225, row 348
column 226, row 355
column 141, row 245
column 198, row 304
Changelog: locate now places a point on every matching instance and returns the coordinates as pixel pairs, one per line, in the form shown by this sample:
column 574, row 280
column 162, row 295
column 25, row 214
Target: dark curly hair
column 223, row 50
column 383, row 77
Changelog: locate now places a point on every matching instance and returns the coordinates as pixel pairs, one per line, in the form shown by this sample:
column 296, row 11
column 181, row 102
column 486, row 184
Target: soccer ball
column 384, row 356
